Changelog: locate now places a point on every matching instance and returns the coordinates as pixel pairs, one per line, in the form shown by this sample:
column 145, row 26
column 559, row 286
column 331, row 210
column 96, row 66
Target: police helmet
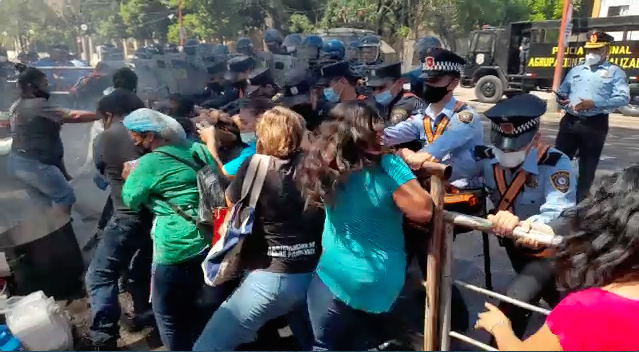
column 244, row 46
column 272, row 35
column 352, row 50
column 190, row 47
column 170, row 48
column 221, row 50
column 334, row 49
column 369, row 49
column 291, row 43
column 310, row 47
column 423, row 44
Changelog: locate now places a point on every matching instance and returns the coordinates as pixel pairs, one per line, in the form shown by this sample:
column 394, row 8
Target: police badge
column 398, row 115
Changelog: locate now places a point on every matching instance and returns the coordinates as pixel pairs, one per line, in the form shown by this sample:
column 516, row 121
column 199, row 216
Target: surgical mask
column 511, row 159
column 330, row 95
column 592, row 59
column 434, row 94
column 384, row 97
column 248, row 137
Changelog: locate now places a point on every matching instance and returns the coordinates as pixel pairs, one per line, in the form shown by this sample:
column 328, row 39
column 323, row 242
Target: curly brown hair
column 349, row 141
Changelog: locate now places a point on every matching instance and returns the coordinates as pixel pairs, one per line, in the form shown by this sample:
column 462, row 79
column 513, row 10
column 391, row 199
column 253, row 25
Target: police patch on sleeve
column 398, row 115
column 465, row 116
column 560, row 181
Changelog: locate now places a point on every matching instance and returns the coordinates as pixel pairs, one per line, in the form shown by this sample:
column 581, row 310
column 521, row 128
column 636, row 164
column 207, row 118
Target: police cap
column 439, row 62
column 237, row 65
column 598, row 39
column 216, row 66
column 515, row 121
column 259, row 78
column 379, row 74
column 297, row 88
column 327, row 72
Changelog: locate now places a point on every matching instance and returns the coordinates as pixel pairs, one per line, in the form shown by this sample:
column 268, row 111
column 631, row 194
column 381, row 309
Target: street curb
column 616, row 120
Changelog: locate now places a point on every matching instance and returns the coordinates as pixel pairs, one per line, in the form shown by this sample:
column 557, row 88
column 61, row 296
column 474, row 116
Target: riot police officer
column 530, row 184
column 236, row 75
column 244, row 46
column 369, row 50
column 333, row 50
column 261, row 84
column 352, row 51
column 273, row 39
column 215, row 85
column 190, row 47
column 221, row 51
column 387, row 86
column 291, row 43
column 310, row 49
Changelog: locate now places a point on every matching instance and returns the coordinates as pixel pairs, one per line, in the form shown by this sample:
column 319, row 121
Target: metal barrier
column 439, row 282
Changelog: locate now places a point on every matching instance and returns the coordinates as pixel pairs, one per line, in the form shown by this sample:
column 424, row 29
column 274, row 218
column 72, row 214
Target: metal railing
column 439, row 282
column 58, row 85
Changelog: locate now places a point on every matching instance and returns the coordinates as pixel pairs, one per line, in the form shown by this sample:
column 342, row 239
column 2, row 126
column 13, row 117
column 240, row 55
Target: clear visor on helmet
column 368, row 54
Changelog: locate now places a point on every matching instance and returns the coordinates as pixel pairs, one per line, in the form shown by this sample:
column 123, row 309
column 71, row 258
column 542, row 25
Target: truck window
column 473, row 42
column 552, row 36
column 578, row 37
column 632, row 35
column 537, row 36
column 484, row 42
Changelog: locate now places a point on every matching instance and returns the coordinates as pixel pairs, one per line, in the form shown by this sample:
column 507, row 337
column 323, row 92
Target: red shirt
column 596, row 320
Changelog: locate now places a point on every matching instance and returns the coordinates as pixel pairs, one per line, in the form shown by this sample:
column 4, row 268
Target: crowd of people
column 342, row 212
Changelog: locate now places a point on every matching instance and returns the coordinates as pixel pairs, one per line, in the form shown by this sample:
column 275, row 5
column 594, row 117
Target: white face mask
column 248, row 137
column 592, row 59
column 509, row 160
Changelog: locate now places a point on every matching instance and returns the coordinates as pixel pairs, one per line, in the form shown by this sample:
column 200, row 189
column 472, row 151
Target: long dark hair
column 347, row 142
column 29, row 77
column 601, row 246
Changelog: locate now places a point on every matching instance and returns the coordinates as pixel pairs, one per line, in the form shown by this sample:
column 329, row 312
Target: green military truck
column 494, row 62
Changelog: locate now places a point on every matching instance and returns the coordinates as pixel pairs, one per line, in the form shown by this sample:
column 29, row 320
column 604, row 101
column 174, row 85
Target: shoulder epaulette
column 550, row 158
column 483, row 152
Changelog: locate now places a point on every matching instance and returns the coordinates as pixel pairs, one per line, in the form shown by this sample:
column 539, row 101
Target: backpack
column 210, row 185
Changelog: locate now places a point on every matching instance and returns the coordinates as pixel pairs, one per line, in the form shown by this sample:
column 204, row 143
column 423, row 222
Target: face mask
column 384, row 97
column 248, row 137
column 434, row 94
column 592, row 59
column 509, row 160
column 330, row 95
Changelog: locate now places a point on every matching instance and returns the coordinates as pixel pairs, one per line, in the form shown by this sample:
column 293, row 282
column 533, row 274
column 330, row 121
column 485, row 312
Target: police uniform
column 448, row 135
column 537, row 190
column 258, row 79
column 584, row 132
column 403, row 105
column 296, row 95
column 232, row 91
column 328, row 72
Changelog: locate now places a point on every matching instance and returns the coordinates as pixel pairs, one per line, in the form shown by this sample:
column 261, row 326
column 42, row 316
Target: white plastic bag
column 40, row 324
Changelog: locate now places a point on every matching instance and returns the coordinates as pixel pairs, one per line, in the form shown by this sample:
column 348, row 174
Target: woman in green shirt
column 162, row 180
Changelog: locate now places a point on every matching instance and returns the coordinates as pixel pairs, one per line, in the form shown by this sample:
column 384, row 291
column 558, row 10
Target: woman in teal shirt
column 365, row 192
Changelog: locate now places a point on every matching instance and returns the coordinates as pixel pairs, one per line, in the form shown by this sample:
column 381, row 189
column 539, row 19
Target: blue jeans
column 262, row 296
column 175, row 292
column 45, row 184
column 336, row 326
column 125, row 246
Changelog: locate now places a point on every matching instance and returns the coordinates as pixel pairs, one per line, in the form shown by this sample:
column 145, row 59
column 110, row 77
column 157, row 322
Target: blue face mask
column 248, row 137
column 330, row 95
column 384, row 97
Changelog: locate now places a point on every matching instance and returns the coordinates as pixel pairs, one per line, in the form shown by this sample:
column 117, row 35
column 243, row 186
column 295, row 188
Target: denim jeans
column 45, row 184
column 262, row 296
column 336, row 326
column 125, row 246
column 175, row 292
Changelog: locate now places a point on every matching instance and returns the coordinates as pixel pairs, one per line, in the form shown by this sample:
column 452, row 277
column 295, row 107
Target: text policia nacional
column 613, row 56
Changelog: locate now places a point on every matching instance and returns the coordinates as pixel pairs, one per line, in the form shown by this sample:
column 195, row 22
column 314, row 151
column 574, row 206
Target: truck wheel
column 489, row 89
column 629, row 110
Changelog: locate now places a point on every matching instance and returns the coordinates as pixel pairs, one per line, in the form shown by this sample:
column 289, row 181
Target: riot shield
column 283, row 63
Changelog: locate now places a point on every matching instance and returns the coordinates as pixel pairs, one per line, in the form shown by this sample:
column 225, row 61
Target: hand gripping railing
column 56, row 87
column 439, row 281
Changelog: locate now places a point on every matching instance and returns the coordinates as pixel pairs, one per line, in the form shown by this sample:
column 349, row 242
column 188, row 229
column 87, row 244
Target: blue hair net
column 147, row 120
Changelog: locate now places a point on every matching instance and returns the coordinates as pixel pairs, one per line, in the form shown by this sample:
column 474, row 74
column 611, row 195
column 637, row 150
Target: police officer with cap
column 589, row 93
column 296, row 95
column 530, row 184
column 339, row 84
column 215, row 85
column 236, row 75
column 448, row 127
column 261, row 84
column 387, row 85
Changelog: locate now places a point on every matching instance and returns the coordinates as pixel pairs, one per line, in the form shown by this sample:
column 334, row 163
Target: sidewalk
column 616, row 120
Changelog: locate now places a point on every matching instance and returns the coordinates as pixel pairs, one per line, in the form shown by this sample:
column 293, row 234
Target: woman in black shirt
column 281, row 253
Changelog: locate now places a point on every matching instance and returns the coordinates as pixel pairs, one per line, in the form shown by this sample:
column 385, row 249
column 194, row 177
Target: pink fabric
column 596, row 320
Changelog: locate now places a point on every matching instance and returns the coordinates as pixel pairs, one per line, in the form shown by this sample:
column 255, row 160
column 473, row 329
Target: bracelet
column 501, row 322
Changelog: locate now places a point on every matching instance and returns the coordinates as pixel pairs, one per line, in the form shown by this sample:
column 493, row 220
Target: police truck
column 496, row 56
